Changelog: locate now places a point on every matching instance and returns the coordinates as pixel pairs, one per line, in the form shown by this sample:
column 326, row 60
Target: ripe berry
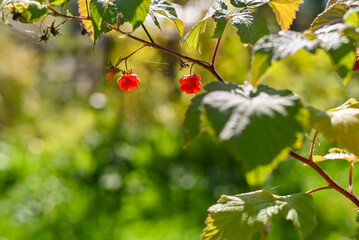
column 190, row 83
column 111, row 72
column 129, row 81
column 356, row 65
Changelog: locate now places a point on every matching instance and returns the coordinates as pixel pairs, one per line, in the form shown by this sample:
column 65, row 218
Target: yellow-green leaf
column 83, row 11
column 342, row 125
column 285, row 11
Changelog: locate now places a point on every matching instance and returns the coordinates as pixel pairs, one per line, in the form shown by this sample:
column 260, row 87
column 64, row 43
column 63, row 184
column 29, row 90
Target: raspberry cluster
column 190, row 83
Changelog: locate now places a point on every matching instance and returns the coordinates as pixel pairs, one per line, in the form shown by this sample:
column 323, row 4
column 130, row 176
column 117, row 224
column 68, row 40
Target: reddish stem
column 318, row 189
column 351, row 178
column 216, row 51
column 313, row 145
column 330, row 181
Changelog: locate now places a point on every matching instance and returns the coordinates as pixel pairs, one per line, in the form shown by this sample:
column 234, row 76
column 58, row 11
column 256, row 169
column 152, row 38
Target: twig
column 216, row 51
column 330, row 181
column 148, row 34
column 87, row 9
column 351, row 178
column 313, row 145
column 318, row 189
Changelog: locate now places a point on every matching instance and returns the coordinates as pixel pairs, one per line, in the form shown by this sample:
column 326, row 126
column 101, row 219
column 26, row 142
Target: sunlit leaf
column 341, row 51
column 335, row 154
column 275, row 47
column 236, row 113
column 166, row 9
column 251, row 26
column 351, row 17
column 83, row 11
column 285, row 11
column 249, row 3
column 29, row 11
column 134, row 11
column 341, row 125
column 239, row 217
column 218, row 10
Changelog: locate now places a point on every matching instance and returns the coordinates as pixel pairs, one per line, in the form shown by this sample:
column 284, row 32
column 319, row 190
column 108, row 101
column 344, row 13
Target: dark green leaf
column 97, row 10
column 134, row 11
column 251, row 26
column 268, row 114
column 249, row 3
column 342, row 52
column 166, row 9
column 218, row 11
column 275, row 47
column 238, row 217
column 34, row 13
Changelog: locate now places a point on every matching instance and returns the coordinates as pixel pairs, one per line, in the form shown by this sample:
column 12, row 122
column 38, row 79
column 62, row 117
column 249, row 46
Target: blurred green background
column 81, row 159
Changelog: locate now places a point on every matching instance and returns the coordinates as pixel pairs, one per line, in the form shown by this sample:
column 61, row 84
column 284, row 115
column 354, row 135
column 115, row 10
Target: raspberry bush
column 261, row 124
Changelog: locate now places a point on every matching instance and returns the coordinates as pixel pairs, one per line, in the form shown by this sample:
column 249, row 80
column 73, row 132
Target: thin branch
column 87, row 9
column 147, row 33
column 125, row 58
column 216, row 50
column 318, row 189
column 330, row 181
column 313, row 145
column 351, row 178
column 200, row 63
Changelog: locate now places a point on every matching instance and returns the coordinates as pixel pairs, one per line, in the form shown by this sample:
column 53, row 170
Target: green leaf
column 192, row 120
column 275, row 47
column 97, row 10
column 236, row 113
column 332, row 15
column 218, row 11
column 285, row 11
column 351, row 17
column 341, row 51
column 239, row 217
column 166, row 9
column 30, row 11
column 134, row 11
column 341, row 125
column 251, row 26
column 249, row 3
column 56, row 2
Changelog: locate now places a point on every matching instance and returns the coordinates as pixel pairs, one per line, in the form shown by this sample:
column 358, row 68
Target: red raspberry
column 111, row 72
column 356, row 65
column 190, row 83
column 129, row 81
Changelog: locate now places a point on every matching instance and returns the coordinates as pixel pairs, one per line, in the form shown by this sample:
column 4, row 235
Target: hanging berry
column 356, row 65
column 111, row 72
column 129, row 81
column 190, row 83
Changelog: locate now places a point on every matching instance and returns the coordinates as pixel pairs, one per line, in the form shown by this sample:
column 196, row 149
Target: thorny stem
column 318, row 189
column 313, row 145
column 351, row 178
column 209, row 67
column 329, row 180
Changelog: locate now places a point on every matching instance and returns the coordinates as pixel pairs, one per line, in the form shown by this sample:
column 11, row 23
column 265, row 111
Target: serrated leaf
column 134, row 11
column 238, row 114
column 238, row 217
column 166, row 9
column 332, row 15
column 218, row 10
column 335, row 154
column 275, row 47
column 341, row 51
column 249, row 3
column 83, row 11
column 341, row 125
column 285, row 11
column 97, row 10
column 251, row 26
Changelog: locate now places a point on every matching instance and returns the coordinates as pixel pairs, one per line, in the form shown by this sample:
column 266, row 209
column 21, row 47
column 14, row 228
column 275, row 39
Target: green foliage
column 164, row 8
column 239, row 217
column 134, row 11
column 28, row 11
column 275, row 47
column 236, row 113
column 342, row 125
column 251, row 26
column 249, row 3
column 219, row 12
